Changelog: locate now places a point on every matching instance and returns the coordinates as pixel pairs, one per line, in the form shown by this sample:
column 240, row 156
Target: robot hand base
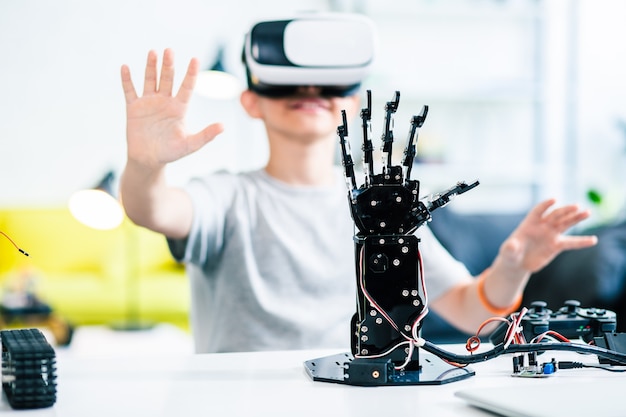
column 343, row 368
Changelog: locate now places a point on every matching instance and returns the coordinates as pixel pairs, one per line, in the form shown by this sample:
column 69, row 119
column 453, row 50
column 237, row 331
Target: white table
column 261, row 384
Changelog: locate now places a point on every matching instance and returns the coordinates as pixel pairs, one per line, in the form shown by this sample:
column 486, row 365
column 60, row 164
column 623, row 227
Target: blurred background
column 526, row 95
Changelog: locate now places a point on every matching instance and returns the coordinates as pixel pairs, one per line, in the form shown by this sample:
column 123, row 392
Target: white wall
column 599, row 128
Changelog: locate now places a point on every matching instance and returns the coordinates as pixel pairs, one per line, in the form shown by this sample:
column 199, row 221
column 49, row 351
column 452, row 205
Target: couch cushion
column 473, row 239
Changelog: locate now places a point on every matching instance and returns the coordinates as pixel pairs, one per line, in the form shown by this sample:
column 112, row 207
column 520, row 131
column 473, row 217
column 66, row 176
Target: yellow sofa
column 83, row 273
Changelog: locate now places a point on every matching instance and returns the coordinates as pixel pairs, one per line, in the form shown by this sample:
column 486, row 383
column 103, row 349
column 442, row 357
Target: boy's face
column 306, row 114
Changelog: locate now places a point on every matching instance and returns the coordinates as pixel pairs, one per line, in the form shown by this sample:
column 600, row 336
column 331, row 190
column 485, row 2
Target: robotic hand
column 391, row 293
column 387, row 210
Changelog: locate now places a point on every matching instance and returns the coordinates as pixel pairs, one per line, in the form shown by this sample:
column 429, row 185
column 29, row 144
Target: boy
column 270, row 253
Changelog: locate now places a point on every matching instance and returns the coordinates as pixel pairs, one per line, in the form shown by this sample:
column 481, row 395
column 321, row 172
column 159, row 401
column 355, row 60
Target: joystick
column 571, row 321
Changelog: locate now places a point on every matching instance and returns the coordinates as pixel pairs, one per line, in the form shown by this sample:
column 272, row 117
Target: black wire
column 523, row 348
column 604, row 368
column 578, row 365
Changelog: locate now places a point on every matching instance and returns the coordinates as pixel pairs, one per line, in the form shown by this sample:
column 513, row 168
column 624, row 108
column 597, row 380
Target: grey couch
column 594, row 276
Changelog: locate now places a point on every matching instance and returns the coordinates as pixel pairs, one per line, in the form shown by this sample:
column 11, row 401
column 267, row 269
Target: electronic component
column 570, row 321
column 525, row 365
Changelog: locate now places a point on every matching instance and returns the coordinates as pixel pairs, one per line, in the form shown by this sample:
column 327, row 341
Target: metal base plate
column 344, row 369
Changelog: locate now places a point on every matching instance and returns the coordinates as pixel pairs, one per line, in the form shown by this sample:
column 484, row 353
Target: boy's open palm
column 155, row 129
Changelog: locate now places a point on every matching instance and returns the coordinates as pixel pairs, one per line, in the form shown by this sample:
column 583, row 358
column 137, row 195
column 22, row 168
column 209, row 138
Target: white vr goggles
column 333, row 51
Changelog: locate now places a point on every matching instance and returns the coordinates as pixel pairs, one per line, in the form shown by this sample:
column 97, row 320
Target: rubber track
column 28, row 369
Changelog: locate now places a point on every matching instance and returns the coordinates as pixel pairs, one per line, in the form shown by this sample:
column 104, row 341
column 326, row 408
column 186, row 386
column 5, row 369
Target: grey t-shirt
column 271, row 266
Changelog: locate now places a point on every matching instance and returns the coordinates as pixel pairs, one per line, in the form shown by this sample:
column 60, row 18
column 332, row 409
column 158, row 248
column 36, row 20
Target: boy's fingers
column 167, row 73
column 127, row 85
column 565, row 217
column 205, row 136
column 150, row 79
column 578, row 242
column 189, row 82
column 537, row 212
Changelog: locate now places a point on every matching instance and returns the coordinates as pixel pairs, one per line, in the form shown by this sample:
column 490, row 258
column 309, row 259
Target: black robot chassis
column 28, row 369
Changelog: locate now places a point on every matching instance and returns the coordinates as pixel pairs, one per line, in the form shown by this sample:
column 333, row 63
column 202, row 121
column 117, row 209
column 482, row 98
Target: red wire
column 473, row 342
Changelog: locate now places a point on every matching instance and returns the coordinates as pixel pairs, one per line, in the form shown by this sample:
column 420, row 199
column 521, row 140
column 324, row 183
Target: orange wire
column 473, row 342
column 14, row 244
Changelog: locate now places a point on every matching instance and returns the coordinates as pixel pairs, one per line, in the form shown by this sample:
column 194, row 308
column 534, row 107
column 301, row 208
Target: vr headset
column 332, row 51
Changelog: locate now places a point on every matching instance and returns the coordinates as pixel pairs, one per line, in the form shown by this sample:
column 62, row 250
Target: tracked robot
column 28, row 372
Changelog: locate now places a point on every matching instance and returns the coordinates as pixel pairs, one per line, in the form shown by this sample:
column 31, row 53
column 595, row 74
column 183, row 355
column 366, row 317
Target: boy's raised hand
column 155, row 121
column 540, row 237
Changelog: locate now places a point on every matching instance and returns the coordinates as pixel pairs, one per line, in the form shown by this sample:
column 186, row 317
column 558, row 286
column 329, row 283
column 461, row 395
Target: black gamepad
column 570, row 321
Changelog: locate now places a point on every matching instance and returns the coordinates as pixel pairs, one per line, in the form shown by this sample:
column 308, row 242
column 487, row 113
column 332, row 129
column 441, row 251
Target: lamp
column 216, row 82
column 99, row 209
